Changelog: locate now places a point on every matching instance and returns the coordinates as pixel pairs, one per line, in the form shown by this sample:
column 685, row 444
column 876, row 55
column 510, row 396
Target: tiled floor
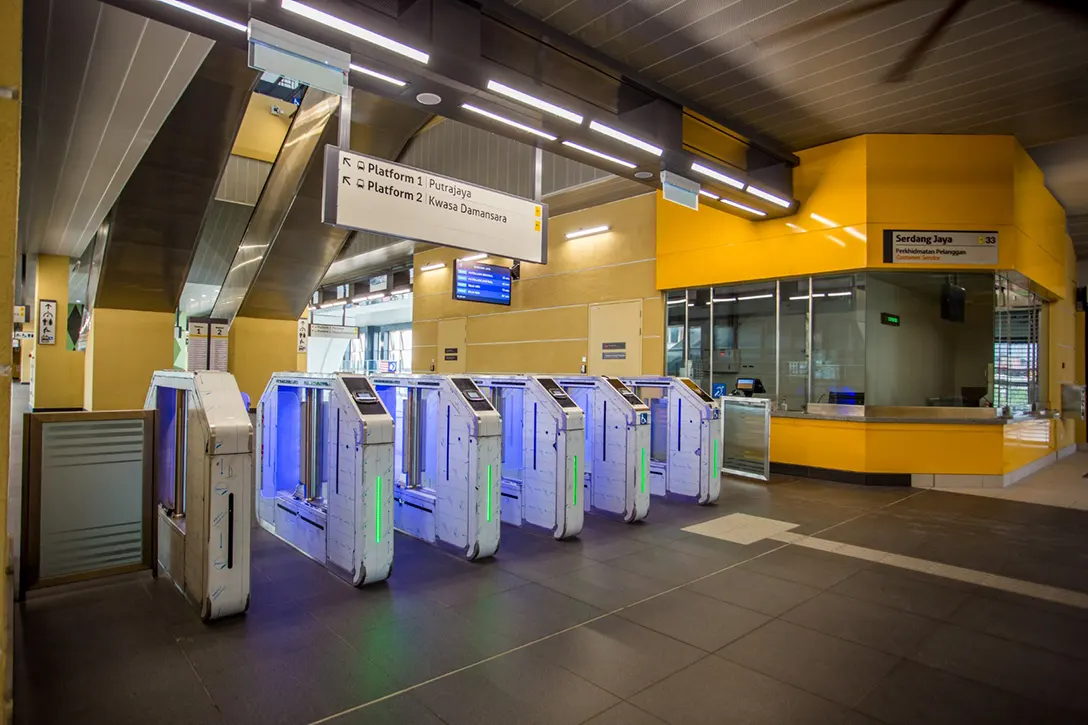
column 1060, row 484
column 630, row 624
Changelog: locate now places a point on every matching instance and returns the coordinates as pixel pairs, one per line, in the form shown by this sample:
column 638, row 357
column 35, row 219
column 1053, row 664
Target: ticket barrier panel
column 684, row 455
column 617, row 446
column 447, row 461
column 203, row 487
column 325, row 477
column 543, row 448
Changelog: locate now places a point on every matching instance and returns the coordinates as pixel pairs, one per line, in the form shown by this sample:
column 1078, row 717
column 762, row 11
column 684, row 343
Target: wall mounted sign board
column 935, row 247
column 342, row 332
column 374, row 195
column 303, row 334
column 47, row 322
column 889, row 319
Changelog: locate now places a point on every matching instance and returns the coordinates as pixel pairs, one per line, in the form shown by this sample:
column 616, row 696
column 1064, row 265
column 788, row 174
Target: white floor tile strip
column 744, row 531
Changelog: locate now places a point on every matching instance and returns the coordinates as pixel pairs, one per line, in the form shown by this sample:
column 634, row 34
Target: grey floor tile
column 624, row 714
column 913, row 694
column 604, row 586
column 617, row 655
column 517, row 688
column 888, row 630
column 403, row 709
column 475, row 585
column 667, row 565
column 1022, row 623
column 751, row 590
column 700, row 621
column 1022, row 669
column 821, row 664
column 526, row 613
column 718, row 550
column 911, row 592
column 805, row 566
column 714, row 691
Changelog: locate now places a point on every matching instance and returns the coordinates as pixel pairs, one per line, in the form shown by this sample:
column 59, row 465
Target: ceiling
column 1002, row 67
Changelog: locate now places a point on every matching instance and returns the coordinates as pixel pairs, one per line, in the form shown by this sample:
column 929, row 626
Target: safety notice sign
column 934, row 247
column 374, row 195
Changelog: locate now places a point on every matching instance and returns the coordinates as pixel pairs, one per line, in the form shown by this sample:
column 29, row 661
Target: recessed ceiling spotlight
column 533, row 101
column 352, row 29
column 429, row 99
column 598, row 154
column 625, row 138
column 507, row 121
column 644, row 175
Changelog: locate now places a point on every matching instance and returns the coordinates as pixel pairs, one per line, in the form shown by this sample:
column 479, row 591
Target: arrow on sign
column 346, row 181
column 347, row 162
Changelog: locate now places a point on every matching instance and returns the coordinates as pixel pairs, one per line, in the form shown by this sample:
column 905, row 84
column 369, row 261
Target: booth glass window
column 675, row 316
column 698, row 344
column 744, row 337
column 793, row 309
column 1020, row 322
column 838, row 340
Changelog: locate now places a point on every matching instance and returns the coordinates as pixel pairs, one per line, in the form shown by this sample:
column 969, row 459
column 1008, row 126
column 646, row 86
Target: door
column 451, row 353
column 615, row 339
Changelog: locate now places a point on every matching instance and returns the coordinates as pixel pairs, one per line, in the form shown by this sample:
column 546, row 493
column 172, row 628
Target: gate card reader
column 203, row 487
column 684, row 455
column 324, row 484
column 617, row 426
column 543, row 446
column 447, row 461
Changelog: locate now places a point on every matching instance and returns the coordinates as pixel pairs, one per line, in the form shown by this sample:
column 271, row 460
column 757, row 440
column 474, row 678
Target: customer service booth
column 912, row 323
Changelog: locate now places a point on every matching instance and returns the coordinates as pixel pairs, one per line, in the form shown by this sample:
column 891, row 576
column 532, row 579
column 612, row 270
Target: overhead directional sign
column 374, row 195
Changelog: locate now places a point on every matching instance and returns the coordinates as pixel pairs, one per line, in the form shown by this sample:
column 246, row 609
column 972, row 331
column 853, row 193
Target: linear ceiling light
column 474, row 257
column 205, row 14
column 334, row 303
column 627, row 139
column 839, row 294
column 508, row 121
column 768, row 196
column 742, row 207
column 533, row 101
column 755, row 297
column 724, row 299
column 854, row 233
column 823, row 220
column 587, row 232
column 717, row 175
column 431, row 267
column 380, row 76
column 598, row 154
column 352, row 29
column 668, row 302
column 712, row 195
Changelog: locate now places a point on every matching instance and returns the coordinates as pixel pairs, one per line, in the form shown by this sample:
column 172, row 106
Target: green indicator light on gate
column 644, row 470
column 575, row 484
column 715, row 458
column 378, row 510
column 489, row 493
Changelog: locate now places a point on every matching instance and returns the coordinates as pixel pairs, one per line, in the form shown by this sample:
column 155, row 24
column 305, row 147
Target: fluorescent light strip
column 474, row 257
column 675, row 302
column 327, row 305
column 433, row 266
column 598, row 154
column 717, row 175
column 755, row 297
column 360, row 298
column 352, row 29
column 533, row 101
column 401, row 291
column 768, row 196
column 621, row 136
column 823, row 220
column 691, row 304
column 375, row 296
column 725, row 299
column 379, row 76
column 586, row 232
column 507, row 121
column 839, row 294
column 817, row 295
column 854, row 233
column 712, row 195
column 742, row 207
column 205, row 14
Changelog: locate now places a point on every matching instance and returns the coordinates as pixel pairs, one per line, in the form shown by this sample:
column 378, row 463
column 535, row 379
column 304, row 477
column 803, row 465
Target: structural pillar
column 58, row 371
column 257, row 348
column 124, row 348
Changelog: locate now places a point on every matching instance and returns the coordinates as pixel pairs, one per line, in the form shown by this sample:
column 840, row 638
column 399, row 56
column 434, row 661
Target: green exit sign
column 888, row 319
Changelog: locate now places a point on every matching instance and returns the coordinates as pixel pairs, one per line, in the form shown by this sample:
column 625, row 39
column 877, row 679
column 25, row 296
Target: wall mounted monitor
column 476, row 282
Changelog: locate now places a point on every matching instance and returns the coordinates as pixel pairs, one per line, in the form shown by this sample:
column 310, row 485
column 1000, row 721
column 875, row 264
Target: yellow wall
column 11, row 50
column 1081, row 427
column 58, row 371
column 261, row 133
column 546, row 327
column 124, row 348
column 257, row 349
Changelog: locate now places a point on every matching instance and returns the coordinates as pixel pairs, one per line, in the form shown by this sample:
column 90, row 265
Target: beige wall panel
column 607, row 284
column 527, row 357
column 424, row 334
column 653, row 355
column 653, row 316
column 562, row 323
column 451, row 336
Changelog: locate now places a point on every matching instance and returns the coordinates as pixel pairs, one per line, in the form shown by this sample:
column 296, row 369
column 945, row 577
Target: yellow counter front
column 911, row 452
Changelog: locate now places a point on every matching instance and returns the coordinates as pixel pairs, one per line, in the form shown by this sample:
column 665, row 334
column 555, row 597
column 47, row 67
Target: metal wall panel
column 473, row 155
column 561, row 173
column 243, row 180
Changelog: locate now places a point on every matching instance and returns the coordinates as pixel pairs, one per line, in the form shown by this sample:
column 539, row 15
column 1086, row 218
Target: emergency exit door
column 615, row 339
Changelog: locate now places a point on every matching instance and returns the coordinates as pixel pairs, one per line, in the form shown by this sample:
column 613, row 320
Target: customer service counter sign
column 374, row 195
column 931, row 247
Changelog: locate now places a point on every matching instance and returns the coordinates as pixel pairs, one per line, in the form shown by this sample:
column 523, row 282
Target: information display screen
column 475, row 282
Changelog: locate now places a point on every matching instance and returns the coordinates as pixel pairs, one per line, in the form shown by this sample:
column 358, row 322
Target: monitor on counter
column 476, row 282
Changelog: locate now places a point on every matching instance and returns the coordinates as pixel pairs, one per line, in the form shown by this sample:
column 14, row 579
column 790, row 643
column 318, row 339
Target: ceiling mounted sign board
column 933, row 247
column 374, row 195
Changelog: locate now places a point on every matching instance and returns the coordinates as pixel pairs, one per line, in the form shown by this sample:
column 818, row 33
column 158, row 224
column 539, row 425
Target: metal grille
column 473, row 155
